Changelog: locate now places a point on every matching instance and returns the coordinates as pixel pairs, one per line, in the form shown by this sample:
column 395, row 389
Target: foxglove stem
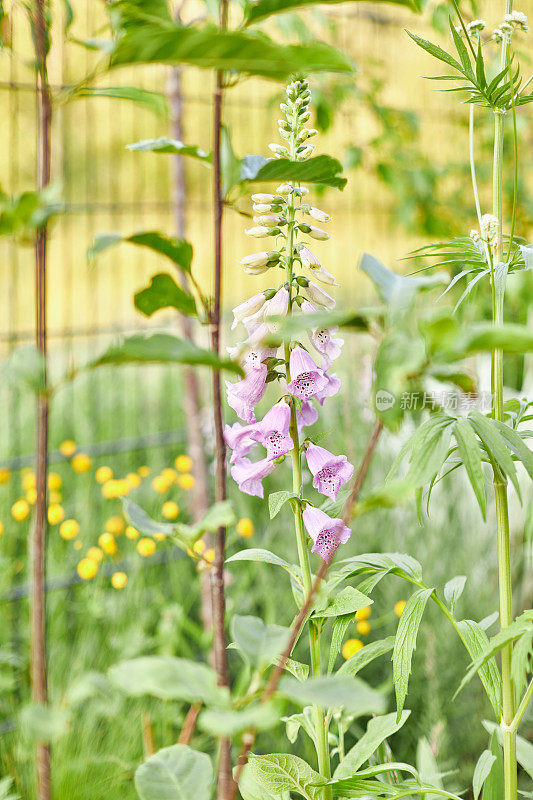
column 500, row 484
column 321, row 738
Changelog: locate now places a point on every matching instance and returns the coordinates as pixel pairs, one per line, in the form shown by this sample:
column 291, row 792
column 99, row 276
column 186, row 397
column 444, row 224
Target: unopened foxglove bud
column 259, row 259
column 267, row 208
column 318, row 214
column 269, row 219
column 305, row 117
column 301, row 281
column 258, row 270
column 319, row 296
column 261, row 197
column 313, row 232
column 278, row 150
column 304, row 151
column 250, row 307
column 276, row 307
column 308, row 258
column 324, row 276
column 260, row 231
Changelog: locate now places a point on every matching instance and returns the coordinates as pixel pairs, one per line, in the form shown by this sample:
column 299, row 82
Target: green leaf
column 321, row 169
column 348, row 601
column 334, row 691
column 400, row 564
column 259, row 643
column 470, row 453
column 26, row 367
column 277, row 500
column 476, row 641
column 495, row 446
column 251, row 789
column 208, row 48
column 524, row 749
column 265, row 556
column 428, row 768
column 177, row 250
column 394, row 289
column 175, row 773
column 165, row 145
column 163, row 348
column 494, row 788
column 406, row 642
column 143, row 522
column 163, row 292
column 377, row 730
column 280, row 772
column 436, row 51
column 366, row 655
column 482, row 771
column 484, row 336
column 168, row 678
column 260, row 10
column 155, row 101
column 229, row 722
column 218, row 515
column 453, row 590
column 340, row 626
column 517, row 445
column 44, row 723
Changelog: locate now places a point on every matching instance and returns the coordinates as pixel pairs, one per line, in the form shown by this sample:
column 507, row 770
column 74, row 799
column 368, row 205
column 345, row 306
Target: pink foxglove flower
column 244, row 394
column 326, row 532
column 307, row 416
column 332, row 387
column 237, row 437
column 249, row 476
column 277, row 306
column 323, row 339
column 272, row 432
column 248, row 309
column 307, row 380
column 308, row 258
column 329, row 472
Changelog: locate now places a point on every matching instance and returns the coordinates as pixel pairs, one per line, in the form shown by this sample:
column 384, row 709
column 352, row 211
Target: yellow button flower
column 362, row 613
column 363, row 627
column 245, row 528
column 20, row 510
column 199, row 546
column 159, row 537
column 143, row 471
column 119, row 580
column 81, row 463
column 103, row 474
column 107, row 543
column 87, row 568
column 186, row 481
column 54, row 481
column 146, row 547
column 170, row 510
column 351, row 647
column 208, row 560
column 113, row 489
column 160, row 484
column 1, row 528
column 115, row 525
column 169, row 474
column 96, row 553
column 183, row 463
column 31, row 496
column 28, row 480
column 133, row 480
column 69, row 529
column 56, row 514
column 399, row 607
column 5, row 475
column 131, row 532
column 67, row 448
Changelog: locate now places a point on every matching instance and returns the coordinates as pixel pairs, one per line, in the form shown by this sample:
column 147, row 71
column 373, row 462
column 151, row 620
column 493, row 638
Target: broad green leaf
column 251, row 789
column 281, row 772
column 494, row 788
column 296, row 668
column 321, row 169
column 399, row 356
column 394, row 289
column 209, row 48
column 230, row 722
column 164, row 292
column 142, row 521
column 163, row 348
column 406, row 642
column 377, row 730
column 277, row 500
column 485, row 336
column 177, row 250
column 482, row 771
column 255, row 12
column 168, row 678
column 494, row 445
column 265, row 556
column 44, row 723
column 399, row 564
column 334, row 691
column 476, row 641
column 26, row 367
column 175, row 773
column 259, row 643
column 470, row 453
column 453, row 590
column 340, row 626
column 347, row 601
column 153, row 100
column 366, row 655
column 165, row 145
column 218, row 515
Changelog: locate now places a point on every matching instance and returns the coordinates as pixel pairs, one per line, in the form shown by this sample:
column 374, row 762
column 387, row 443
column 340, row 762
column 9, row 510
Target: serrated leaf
column 406, row 642
column 175, row 773
column 482, row 771
column 259, row 643
column 436, row 51
column 454, row 589
column 164, row 292
column 168, row 678
column 340, row 626
column 177, row 250
column 265, row 556
column 476, row 640
column 495, row 446
column 277, row 500
column 173, row 146
column 494, row 788
column 334, row 691
column 377, row 730
column 470, row 453
column 280, row 772
column 162, row 348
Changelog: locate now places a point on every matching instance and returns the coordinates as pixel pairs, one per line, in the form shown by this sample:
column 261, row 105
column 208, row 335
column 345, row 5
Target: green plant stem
column 500, row 484
column 321, row 739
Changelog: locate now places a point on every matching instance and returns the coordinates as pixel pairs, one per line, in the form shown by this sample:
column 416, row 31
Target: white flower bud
column 260, row 231
column 319, row 296
column 264, row 208
column 324, row 276
column 318, row 214
column 259, row 270
column 278, row 150
column 317, row 233
column 267, row 198
column 269, row 219
column 258, row 259
column 276, row 307
column 248, row 308
column 308, row 258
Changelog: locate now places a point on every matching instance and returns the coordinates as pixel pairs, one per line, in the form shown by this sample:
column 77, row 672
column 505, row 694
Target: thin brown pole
column 224, row 778
column 38, row 541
